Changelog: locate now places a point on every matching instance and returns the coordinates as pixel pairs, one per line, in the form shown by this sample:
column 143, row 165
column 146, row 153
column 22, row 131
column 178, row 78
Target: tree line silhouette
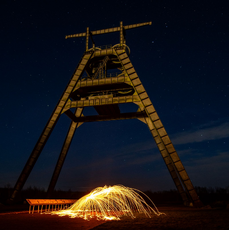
column 215, row 197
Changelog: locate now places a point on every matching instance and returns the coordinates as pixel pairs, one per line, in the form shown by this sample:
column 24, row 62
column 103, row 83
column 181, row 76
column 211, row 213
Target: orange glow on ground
column 110, row 203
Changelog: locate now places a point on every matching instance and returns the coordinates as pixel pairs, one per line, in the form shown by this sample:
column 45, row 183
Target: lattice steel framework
column 105, row 91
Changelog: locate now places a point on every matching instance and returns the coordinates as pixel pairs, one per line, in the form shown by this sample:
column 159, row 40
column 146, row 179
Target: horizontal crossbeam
column 109, row 30
column 100, row 101
column 122, row 116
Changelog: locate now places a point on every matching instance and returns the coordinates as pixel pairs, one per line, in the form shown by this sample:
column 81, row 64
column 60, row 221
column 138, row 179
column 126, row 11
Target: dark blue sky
column 181, row 59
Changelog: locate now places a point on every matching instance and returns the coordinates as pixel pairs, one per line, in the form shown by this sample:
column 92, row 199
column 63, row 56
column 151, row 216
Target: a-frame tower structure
column 105, row 92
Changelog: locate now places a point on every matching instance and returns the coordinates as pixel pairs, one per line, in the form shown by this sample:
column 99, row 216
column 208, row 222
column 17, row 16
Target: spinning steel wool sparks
column 110, row 203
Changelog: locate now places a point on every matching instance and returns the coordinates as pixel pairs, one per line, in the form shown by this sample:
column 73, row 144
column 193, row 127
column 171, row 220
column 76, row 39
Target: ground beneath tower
column 177, row 217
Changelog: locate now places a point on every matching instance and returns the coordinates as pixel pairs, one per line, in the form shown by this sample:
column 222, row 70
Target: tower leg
column 168, row 161
column 50, row 126
column 160, row 135
column 64, row 151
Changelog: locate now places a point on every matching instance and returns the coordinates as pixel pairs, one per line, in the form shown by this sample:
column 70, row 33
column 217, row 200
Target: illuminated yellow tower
column 93, row 84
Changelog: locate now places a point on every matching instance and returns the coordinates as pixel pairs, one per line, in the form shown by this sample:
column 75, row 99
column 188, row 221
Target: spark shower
column 110, row 203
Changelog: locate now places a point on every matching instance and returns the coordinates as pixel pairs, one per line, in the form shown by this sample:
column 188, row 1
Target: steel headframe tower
column 94, row 84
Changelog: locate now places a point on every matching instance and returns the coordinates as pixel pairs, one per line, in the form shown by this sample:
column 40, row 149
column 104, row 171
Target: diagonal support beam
column 101, row 67
column 50, row 125
column 168, row 152
column 64, row 151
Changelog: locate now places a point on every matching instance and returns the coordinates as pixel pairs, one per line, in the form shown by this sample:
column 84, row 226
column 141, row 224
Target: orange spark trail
column 110, row 203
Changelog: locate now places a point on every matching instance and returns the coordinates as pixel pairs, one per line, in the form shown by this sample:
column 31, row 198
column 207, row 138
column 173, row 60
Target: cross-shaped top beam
column 121, row 28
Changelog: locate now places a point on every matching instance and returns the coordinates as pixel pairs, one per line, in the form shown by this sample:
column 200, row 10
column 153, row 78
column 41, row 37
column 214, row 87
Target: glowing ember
column 110, row 203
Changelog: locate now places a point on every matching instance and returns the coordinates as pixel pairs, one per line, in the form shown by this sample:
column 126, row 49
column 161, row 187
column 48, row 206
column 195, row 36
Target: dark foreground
column 174, row 218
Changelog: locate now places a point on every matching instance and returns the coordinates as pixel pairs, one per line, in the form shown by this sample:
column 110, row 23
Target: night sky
column 181, row 59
